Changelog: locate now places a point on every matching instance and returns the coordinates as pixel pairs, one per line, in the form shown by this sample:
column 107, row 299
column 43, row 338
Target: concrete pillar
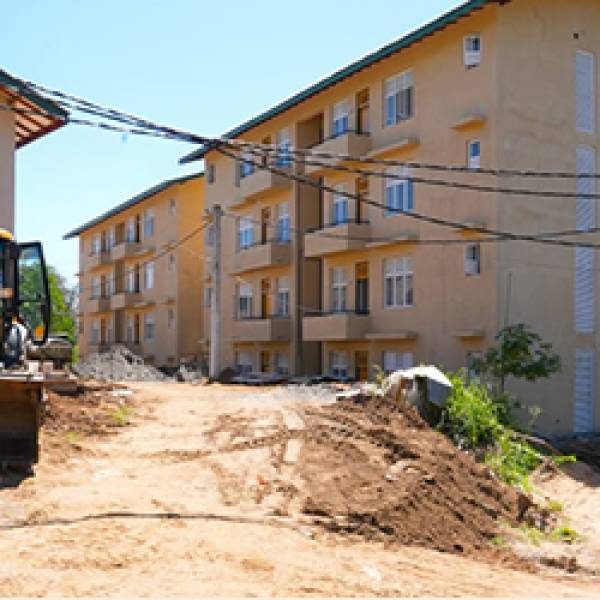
column 7, row 170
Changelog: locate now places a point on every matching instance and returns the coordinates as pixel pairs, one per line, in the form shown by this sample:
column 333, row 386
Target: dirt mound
column 117, row 364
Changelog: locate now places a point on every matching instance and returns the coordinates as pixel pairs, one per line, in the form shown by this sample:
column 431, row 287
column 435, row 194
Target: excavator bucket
column 21, row 402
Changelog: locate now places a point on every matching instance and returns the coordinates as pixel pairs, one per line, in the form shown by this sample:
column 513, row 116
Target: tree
column 63, row 301
column 520, row 353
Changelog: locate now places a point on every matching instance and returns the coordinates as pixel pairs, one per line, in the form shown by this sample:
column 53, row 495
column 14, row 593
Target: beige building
column 137, row 286
column 320, row 282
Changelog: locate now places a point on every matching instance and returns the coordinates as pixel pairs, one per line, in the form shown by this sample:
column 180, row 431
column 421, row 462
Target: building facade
column 336, row 279
column 139, row 286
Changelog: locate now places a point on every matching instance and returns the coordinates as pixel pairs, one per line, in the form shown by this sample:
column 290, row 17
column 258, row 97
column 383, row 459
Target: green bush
column 513, row 459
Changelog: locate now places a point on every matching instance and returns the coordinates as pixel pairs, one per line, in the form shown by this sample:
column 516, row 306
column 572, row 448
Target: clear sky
column 198, row 65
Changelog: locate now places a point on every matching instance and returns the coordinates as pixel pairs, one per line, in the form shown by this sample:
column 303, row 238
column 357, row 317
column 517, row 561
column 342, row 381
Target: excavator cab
column 24, row 321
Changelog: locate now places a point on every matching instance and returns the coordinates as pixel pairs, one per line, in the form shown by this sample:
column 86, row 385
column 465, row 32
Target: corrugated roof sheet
column 131, row 202
column 366, row 61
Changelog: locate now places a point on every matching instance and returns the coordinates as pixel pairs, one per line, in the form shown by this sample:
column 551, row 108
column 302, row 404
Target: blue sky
column 200, row 66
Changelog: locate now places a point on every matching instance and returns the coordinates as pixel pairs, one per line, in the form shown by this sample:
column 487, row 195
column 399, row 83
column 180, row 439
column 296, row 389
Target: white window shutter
column 585, row 290
column 585, row 392
column 585, row 91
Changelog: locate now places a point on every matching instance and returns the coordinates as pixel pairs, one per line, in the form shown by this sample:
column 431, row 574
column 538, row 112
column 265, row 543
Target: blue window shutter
column 410, row 196
column 389, row 199
column 390, row 110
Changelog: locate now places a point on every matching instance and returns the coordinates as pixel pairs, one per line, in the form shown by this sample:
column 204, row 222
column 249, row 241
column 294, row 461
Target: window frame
column 244, row 301
column 283, row 296
column 338, row 364
column 283, row 222
column 400, row 276
column 149, row 224
column 400, row 87
column 149, row 326
column 339, row 290
column 400, row 190
column 339, row 198
column 472, row 58
column 340, row 113
column 245, row 232
column 474, row 160
column 472, row 264
column 245, row 367
column 149, row 273
column 401, row 361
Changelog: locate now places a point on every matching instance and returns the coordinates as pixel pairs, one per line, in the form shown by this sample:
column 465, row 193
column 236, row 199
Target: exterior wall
column 7, row 169
column 175, row 299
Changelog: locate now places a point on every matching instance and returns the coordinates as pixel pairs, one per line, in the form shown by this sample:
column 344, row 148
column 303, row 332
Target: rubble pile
column 117, row 364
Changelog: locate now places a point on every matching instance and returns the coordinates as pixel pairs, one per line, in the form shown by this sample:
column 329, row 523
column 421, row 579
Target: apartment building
column 34, row 117
column 314, row 280
column 138, row 286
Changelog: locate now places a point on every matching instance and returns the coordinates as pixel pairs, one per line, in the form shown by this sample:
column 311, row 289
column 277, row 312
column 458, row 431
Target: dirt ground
column 170, row 496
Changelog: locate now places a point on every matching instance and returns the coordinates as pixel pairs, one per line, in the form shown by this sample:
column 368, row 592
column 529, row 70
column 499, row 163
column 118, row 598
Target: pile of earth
column 117, row 364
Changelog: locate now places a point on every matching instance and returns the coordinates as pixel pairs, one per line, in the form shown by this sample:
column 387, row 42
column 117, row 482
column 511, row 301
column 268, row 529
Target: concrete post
column 215, row 307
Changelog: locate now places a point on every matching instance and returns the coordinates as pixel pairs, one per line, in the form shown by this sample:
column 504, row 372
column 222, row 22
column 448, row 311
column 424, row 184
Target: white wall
column 7, row 170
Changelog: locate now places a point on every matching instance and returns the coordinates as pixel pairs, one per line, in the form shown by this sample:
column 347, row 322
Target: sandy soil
column 164, row 465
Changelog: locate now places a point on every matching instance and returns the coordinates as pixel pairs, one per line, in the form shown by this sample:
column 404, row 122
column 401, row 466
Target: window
column 283, row 146
column 398, row 282
column 243, row 362
column 472, row 358
column 148, row 223
column 130, row 330
column 149, row 326
column 131, row 230
column 172, row 262
column 283, row 296
column 472, row 260
column 472, row 51
column 210, row 174
column 110, row 241
column 96, row 287
column 133, row 280
column 246, row 164
column 110, row 286
column 340, row 119
column 338, row 289
column 282, row 365
column 474, row 154
column 96, row 244
column 399, row 98
column 283, row 222
column 244, row 301
column 339, row 206
column 339, row 364
column 585, row 91
column 399, row 194
column 246, row 232
column 397, row 361
column 170, row 318
column 149, row 275
column 95, row 332
column 172, row 207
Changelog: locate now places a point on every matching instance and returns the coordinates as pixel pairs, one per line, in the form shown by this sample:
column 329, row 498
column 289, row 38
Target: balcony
column 270, row 254
column 125, row 300
column 261, row 182
column 332, row 327
column 349, row 144
column 99, row 304
column 98, row 260
column 128, row 250
column 334, row 239
column 271, row 329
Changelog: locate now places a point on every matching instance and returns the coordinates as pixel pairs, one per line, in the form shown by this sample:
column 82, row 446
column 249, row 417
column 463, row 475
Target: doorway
column 265, row 362
column 265, row 223
column 265, row 298
column 361, row 365
column 361, row 277
column 362, row 112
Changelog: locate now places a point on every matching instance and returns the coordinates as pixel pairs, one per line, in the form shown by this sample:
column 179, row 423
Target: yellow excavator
column 24, row 324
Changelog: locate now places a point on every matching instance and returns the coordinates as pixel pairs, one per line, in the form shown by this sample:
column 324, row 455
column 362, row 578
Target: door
column 361, row 277
column 265, row 296
column 362, row 103
column 362, row 191
column 265, row 362
column 136, row 329
column 361, row 365
column 103, row 337
column 265, row 222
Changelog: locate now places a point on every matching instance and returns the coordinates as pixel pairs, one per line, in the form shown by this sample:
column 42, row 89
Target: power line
column 416, row 215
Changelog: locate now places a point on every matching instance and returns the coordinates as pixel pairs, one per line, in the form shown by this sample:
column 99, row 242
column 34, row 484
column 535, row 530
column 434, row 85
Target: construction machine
column 24, row 323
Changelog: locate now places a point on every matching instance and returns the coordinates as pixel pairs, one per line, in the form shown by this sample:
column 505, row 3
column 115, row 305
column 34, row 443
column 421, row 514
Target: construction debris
column 117, row 364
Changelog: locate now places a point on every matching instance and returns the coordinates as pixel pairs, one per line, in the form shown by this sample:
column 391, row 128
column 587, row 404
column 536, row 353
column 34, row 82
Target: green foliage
column 520, row 353
column 62, row 317
column 554, row 506
column 120, row 416
column 565, row 534
column 513, row 459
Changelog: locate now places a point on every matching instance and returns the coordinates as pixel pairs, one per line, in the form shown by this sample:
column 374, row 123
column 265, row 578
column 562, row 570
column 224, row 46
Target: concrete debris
column 117, row 364
column 190, row 373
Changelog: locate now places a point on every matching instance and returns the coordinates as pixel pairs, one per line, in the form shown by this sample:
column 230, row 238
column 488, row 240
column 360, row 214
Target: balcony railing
column 336, row 326
column 263, row 181
column 98, row 259
column 257, row 329
column 263, row 254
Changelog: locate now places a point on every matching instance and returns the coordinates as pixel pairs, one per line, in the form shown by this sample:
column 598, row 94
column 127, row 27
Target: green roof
column 131, row 202
column 366, row 61
column 18, row 86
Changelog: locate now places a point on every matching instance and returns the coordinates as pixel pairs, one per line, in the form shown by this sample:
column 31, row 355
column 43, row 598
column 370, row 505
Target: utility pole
column 215, row 307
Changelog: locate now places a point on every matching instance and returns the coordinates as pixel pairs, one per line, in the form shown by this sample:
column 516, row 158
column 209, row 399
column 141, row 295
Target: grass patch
column 565, row 534
column 499, row 541
column 121, row 416
column 73, row 437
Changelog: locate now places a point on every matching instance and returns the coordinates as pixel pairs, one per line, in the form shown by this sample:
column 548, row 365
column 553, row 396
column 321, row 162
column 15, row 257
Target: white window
column 149, row 275
column 130, row 330
column 339, row 206
column 283, row 296
column 244, row 301
column 472, row 259
column 96, row 243
column 399, row 194
column 340, row 121
column 149, row 326
column 131, row 230
column 282, row 365
column 170, row 318
column 132, row 280
column 245, row 232
column 399, row 98
column 474, row 154
column 172, row 207
column 585, row 91
column 95, row 331
column 243, row 362
column 472, row 51
column 149, row 223
column 96, row 287
column 339, row 364
column 338, row 289
column 397, row 361
column 110, row 285
column 283, row 148
column 172, row 262
column 283, row 222
column 398, row 282
column 111, row 238
column 246, row 164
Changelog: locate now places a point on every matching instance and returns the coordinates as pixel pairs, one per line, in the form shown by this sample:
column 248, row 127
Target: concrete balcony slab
column 272, row 329
column 335, row 327
column 349, row 144
column 336, row 239
column 261, row 256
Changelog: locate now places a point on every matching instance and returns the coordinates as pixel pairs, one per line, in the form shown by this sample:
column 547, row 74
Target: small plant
column 513, row 459
column 565, row 534
column 120, row 416
column 73, row 437
column 554, row 506
column 499, row 541
column 532, row 534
